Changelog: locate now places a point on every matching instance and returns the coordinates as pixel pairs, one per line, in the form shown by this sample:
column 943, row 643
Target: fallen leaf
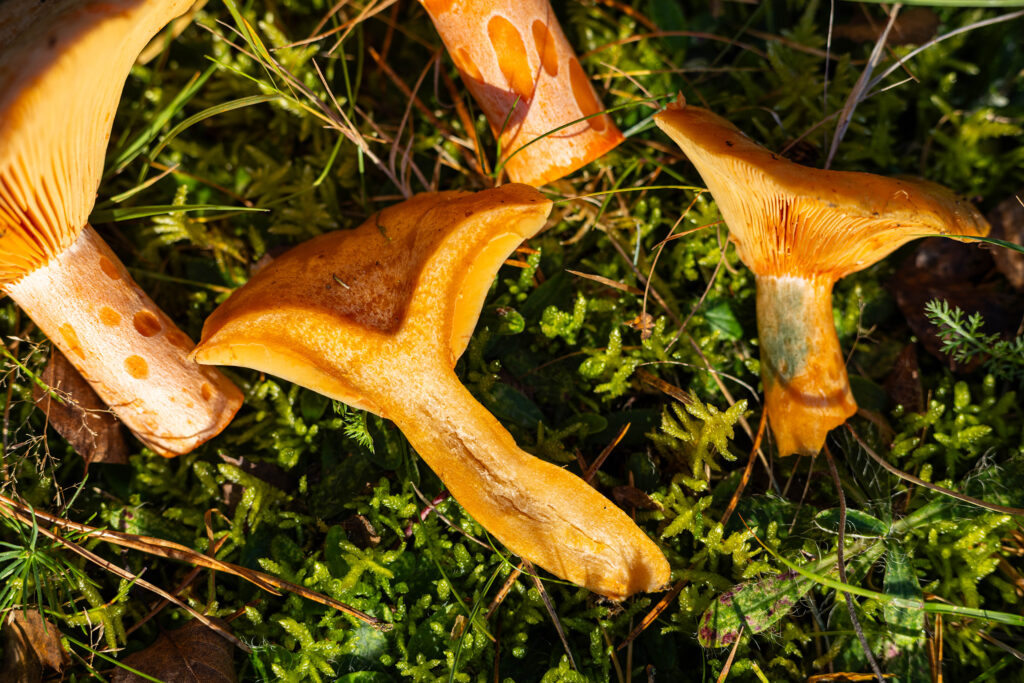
column 31, row 647
column 959, row 273
column 193, row 653
column 904, row 381
column 83, row 419
column 1007, row 221
column 360, row 531
column 631, row 496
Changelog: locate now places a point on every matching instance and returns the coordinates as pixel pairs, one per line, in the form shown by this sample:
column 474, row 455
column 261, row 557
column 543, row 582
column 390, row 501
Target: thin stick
column 850, row 607
column 551, row 610
column 732, row 655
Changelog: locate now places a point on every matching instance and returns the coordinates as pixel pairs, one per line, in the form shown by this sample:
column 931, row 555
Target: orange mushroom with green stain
column 376, row 317
column 800, row 230
column 522, row 71
column 63, row 64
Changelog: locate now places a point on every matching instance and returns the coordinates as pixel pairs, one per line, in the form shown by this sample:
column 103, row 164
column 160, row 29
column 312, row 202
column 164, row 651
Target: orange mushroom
column 800, row 230
column 522, row 71
column 377, row 316
column 62, row 67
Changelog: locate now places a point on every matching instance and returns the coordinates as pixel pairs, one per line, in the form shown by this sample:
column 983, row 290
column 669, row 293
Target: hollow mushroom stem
column 85, row 301
column 807, row 391
column 515, row 59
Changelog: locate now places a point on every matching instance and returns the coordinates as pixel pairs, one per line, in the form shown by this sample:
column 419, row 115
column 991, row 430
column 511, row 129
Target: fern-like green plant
column 964, row 341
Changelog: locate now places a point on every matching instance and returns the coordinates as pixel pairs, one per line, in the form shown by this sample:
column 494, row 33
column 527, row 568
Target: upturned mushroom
column 63, row 65
column 800, row 230
column 523, row 73
column 376, row 317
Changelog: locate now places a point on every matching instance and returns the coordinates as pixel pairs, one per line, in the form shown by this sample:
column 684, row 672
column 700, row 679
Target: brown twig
column 176, row 551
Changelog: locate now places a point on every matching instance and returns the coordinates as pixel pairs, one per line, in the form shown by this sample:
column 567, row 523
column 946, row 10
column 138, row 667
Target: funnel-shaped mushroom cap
column 63, row 64
column 788, row 219
column 420, row 270
column 515, row 59
column 801, row 229
column 376, row 317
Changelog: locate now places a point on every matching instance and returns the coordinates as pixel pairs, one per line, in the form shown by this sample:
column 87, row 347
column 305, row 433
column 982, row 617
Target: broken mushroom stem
column 515, row 59
column 415, row 278
column 131, row 353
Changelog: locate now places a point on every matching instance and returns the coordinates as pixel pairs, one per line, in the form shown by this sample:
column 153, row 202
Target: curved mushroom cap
column 422, row 269
column 377, row 316
column 788, row 219
column 63, row 64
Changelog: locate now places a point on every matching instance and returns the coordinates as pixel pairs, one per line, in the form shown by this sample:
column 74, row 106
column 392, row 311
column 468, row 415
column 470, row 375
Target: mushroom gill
column 800, row 230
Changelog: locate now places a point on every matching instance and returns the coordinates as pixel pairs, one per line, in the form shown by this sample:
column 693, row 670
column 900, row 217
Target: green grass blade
column 130, row 213
column 209, row 113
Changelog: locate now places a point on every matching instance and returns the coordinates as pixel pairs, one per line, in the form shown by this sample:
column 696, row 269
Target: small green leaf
column 754, row 604
column 721, row 318
column 859, row 524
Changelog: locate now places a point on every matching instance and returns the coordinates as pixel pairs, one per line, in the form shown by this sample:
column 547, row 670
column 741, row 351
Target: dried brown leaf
column 31, row 647
column 631, row 496
column 83, row 419
column 904, row 381
column 193, row 653
column 1007, row 221
column 960, row 274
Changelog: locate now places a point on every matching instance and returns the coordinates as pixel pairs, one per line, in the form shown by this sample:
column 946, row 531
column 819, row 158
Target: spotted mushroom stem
column 807, row 391
column 131, row 353
column 523, row 73
column 537, row 510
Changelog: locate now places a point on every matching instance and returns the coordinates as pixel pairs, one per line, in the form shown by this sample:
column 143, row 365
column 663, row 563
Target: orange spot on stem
column 147, row 324
column 586, row 100
column 137, row 367
column 511, row 52
column 465, row 64
column 71, row 339
column 109, row 269
column 545, row 43
column 108, row 316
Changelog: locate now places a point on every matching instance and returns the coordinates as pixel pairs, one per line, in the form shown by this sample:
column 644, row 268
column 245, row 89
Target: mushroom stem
column 515, row 59
column 536, row 509
column 142, row 372
column 807, row 392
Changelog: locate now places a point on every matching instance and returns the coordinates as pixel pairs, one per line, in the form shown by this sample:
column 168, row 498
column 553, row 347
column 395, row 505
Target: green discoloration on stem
column 785, row 325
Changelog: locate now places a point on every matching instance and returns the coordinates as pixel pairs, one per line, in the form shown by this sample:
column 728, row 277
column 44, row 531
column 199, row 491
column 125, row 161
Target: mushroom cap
column 63, row 64
column 413, row 277
column 788, row 219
